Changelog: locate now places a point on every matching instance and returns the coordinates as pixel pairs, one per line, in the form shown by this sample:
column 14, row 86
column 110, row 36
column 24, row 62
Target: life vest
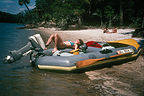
column 75, row 52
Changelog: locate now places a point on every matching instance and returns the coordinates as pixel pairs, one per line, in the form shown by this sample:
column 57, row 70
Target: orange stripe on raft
column 88, row 62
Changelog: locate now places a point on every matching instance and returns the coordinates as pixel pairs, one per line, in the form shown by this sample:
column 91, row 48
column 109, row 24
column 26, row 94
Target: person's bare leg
column 50, row 40
column 58, row 42
column 115, row 30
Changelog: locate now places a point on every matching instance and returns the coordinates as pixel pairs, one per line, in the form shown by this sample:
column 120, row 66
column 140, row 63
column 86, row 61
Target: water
column 21, row 79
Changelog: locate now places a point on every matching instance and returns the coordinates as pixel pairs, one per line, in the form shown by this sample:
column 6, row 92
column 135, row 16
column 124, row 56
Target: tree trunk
column 79, row 20
column 143, row 22
column 110, row 22
column 26, row 6
column 101, row 22
column 121, row 13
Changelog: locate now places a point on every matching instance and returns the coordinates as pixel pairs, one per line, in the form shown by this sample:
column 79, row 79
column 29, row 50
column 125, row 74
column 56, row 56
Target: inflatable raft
column 89, row 55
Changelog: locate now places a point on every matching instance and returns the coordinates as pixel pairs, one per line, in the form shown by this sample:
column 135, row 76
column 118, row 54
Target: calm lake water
column 21, row 79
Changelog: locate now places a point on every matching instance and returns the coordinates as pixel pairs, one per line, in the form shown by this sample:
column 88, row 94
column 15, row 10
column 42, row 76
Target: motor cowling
column 35, row 44
column 17, row 54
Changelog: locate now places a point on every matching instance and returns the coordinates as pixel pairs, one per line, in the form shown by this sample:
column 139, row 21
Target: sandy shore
column 89, row 34
column 119, row 80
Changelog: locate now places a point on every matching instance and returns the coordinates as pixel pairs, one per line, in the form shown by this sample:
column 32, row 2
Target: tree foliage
column 100, row 12
column 24, row 2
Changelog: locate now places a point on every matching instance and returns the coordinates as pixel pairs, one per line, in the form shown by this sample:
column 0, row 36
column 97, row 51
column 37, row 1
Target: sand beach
column 88, row 34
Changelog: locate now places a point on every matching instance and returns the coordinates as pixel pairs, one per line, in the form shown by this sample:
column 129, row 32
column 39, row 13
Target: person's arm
column 76, row 46
column 106, row 30
column 115, row 30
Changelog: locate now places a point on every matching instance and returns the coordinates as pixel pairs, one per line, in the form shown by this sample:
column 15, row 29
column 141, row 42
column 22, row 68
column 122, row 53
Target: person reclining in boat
column 106, row 30
column 59, row 43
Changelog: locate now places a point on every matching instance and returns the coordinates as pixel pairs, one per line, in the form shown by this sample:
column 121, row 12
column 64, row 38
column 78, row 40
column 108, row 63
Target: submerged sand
column 126, row 79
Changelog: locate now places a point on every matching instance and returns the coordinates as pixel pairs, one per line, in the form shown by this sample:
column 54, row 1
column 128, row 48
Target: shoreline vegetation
column 80, row 13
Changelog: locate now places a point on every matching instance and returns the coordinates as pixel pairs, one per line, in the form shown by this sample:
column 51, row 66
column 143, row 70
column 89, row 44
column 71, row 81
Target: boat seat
column 37, row 42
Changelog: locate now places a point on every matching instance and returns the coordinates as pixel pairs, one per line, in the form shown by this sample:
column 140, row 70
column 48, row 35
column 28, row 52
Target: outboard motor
column 35, row 43
column 17, row 54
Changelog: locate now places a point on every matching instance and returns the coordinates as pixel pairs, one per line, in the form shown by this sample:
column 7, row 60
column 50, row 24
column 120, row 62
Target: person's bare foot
column 45, row 48
column 55, row 49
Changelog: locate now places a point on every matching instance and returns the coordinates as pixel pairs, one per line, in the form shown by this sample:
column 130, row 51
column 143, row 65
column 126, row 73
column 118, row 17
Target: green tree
column 143, row 22
column 121, row 13
column 25, row 2
column 109, row 14
column 99, row 14
column 20, row 17
column 74, row 12
column 68, row 12
column 44, row 9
